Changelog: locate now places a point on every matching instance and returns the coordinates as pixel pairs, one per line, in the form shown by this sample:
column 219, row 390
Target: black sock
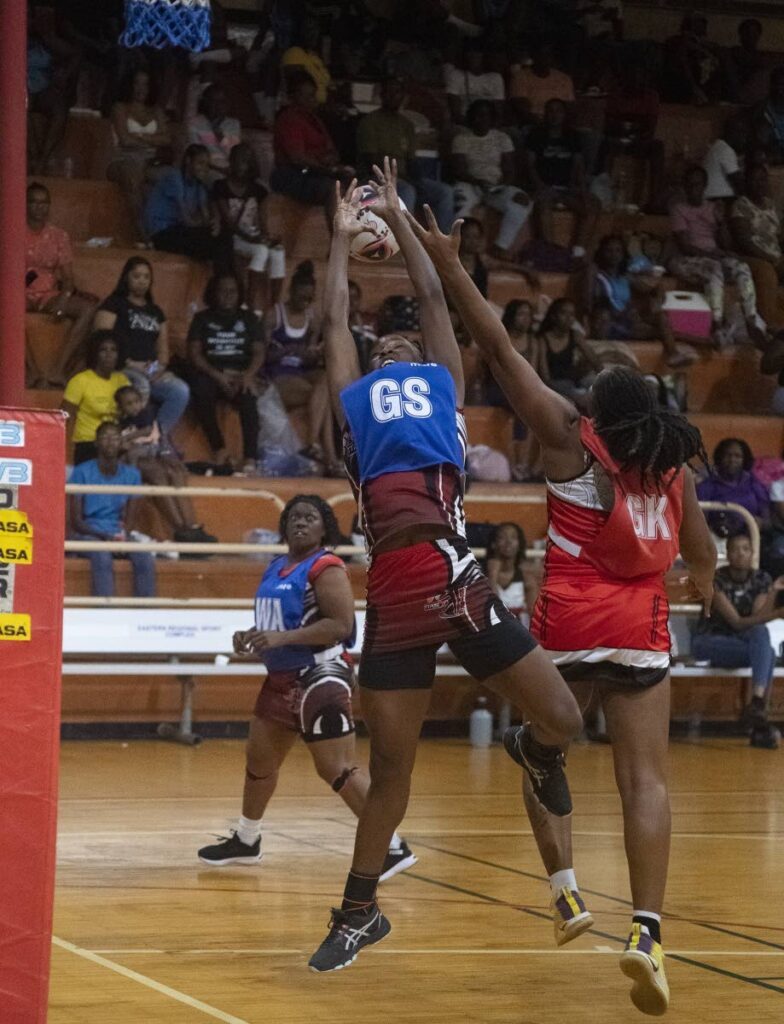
column 360, row 891
column 653, row 926
column 542, row 755
column 758, row 702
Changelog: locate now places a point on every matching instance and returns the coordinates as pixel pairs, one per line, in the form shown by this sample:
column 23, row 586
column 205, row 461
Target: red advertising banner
column 32, row 534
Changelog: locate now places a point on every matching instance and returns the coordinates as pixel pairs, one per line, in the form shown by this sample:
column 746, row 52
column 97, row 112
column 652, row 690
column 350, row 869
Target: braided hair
column 332, row 534
column 639, row 433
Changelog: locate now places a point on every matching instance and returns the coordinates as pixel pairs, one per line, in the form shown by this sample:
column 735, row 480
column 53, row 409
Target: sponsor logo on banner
column 15, row 627
column 16, row 537
column 8, row 503
column 17, row 472
column 16, row 523
column 12, row 434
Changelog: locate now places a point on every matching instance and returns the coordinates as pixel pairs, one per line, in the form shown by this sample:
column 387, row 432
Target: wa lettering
column 269, row 614
column 647, row 513
column 391, row 400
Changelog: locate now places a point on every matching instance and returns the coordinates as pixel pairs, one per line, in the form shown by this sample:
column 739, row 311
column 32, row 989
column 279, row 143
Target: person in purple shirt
column 732, row 480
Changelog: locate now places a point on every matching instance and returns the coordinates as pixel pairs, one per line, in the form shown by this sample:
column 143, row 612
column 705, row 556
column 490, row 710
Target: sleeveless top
column 636, row 539
column 513, row 596
column 404, row 449
column 286, row 599
column 561, row 364
column 290, row 341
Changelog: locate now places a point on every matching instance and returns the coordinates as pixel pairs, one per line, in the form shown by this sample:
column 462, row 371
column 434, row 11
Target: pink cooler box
column 688, row 313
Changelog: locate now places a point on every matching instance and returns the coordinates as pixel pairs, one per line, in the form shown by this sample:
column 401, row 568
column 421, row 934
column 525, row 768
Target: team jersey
column 603, row 595
column 286, row 599
column 404, row 448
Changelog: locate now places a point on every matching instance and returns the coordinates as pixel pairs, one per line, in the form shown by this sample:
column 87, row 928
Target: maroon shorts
column 314, row 702
column 428, row 594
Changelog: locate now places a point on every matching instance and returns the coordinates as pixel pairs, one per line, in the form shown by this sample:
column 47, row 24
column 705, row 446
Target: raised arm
column 553, row 419
column 438, row 335
column 341, row 356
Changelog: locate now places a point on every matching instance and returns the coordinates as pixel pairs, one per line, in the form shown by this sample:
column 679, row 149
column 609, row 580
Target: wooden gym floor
column 144, row 934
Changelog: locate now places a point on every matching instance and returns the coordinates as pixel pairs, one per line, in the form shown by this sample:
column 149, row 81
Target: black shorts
column 612, row 675
column 481, row 654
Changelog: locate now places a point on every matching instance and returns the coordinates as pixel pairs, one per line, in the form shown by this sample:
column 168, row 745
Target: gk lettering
column 390, row 400
column 16, row 471
column 269, row 613
column 647, row 514
column 12, row 434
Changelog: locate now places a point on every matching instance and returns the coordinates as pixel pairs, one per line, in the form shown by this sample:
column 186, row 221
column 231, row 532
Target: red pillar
column 13, row 169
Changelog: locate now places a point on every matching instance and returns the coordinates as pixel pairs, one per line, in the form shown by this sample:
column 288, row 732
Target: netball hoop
column 161, row 23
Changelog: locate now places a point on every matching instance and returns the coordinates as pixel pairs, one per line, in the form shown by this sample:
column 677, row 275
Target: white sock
column 248, row 830
column 647, row 913
column 395, row 843
column 563, row 880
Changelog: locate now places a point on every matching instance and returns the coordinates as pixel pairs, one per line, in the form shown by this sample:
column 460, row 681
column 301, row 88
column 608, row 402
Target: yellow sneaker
column 643, row 962
column 570, row 918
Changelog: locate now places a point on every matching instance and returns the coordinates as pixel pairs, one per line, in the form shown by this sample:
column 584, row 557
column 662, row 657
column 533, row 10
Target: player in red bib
column 622, row 504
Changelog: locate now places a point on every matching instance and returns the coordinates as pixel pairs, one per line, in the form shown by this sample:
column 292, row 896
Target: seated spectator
column 239, row 198
column 361, row 325
column 722, row 161
column 531, row 87
column 732, row 480
column 557, row 171
column 142, row 142
column 757, row 232
column 568, row 365
column 745, row 62
column 49, row 280
column 142, row 447
column 704, row 255
column 212, row 128
column 177, row 215
column 304, row 56
column 52, row 70
column 770, row 118
column 509, row 572
column 472, row 247
column 630, row 120
column 225, row 355
column 772, row 555
column 387, row 132
column 736, row 635
column 306, row 160
column 633, row 301
column 295, row 364
column 139, row 327
column 108, row 516
column 473, row 82
column 89, row 396
column 692, row 67
column 484, row 168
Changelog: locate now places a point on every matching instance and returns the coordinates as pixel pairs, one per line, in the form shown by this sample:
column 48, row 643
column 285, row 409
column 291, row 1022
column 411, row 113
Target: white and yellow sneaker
column 570, row 918
column 643, row 962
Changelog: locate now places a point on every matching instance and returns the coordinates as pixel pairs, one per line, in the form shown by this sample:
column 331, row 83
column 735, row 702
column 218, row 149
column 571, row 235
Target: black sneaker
column 545, row 768
column 349, row 931
column 397, row 860
column 754, row 715
column 231, row 850
column 766, row 737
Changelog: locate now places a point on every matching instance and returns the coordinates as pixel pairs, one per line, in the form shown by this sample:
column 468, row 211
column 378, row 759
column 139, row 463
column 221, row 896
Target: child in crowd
column 158, row 464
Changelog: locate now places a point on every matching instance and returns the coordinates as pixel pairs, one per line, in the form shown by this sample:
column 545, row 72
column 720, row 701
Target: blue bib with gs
column 403, row 417
column 281, row 605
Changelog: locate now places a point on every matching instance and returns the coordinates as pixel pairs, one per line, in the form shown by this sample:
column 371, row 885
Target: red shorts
column 314, row 702
column 428, row 594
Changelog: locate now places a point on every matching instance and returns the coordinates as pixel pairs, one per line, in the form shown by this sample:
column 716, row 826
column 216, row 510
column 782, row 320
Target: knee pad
column 343, row 778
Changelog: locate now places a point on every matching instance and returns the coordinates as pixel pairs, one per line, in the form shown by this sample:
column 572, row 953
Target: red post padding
column 32, row 534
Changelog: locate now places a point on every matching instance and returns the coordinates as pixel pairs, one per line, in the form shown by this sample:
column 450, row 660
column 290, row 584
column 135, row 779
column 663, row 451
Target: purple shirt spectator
column 746, row 491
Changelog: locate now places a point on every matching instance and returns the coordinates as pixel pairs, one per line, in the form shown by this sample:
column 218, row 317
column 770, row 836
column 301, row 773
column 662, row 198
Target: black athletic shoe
column 545, row 768
column 349, row 931
column 766, row 737
column 397, row 860
column 231, row 850
column 754, row 715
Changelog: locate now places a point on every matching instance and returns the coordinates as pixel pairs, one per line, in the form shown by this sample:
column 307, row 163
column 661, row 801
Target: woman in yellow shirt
column 306, row 56
column 89, row 395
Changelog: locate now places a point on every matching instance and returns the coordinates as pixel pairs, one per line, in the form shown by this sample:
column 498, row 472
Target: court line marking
column 597, row 951
column 231, row 797
column 142, row 979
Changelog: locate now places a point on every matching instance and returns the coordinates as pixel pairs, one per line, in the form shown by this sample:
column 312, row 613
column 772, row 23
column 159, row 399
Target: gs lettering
column 390, row 400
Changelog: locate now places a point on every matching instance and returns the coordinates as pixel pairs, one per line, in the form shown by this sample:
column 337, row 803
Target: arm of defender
column 696, row 543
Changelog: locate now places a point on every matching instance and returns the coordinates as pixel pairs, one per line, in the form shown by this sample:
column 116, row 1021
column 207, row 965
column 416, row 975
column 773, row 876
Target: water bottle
column 68, row 167
column 480, row 725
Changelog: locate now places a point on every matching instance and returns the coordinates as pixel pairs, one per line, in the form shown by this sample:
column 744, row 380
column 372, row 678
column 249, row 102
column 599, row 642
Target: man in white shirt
column 721, row 162
column 483, row 160
column 473, row 83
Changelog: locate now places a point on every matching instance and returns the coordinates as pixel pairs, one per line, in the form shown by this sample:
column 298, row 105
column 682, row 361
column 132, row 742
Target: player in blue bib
column 404, row 447
column 304, row 628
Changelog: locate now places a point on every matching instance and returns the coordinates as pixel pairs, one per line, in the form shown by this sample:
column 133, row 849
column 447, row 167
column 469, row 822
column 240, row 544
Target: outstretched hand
column 347, row 209
column 387, row 203
column 442, row 249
